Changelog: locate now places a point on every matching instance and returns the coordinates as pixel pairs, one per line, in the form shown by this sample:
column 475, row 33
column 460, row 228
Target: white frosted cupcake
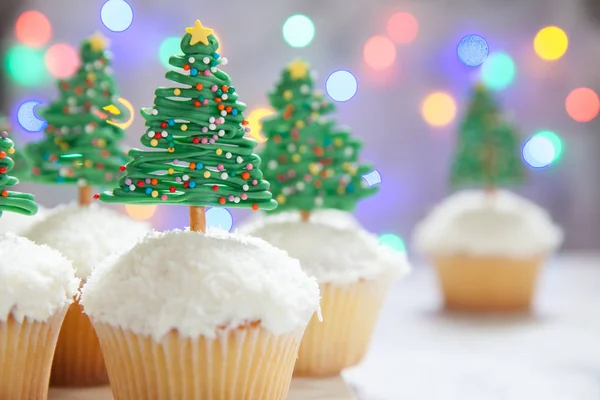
column 18, row 223
column 487, row 248
column 37, row 284
column 86, row 235
column 354, row 272
column 187, row 315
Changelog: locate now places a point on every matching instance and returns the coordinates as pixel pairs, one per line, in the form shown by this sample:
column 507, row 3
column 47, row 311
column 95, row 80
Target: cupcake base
column 246, row 363
column 349, row 317
column 78, row 358
column 26, row 351
column 487, row 283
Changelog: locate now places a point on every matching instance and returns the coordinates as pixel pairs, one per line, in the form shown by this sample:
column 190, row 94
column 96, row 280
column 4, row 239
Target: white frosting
column 333, row 253
column 472, row 222
column 337, row 218
column 18, row 223
column 35, row 281
column 87, row 235
column 195, row 283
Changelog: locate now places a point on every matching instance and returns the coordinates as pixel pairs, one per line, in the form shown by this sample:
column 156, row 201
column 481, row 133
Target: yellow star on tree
column 199, row 33
column 298, row 69
column 97, row 41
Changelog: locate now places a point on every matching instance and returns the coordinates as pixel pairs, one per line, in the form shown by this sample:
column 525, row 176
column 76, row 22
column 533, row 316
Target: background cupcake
column 488, row 244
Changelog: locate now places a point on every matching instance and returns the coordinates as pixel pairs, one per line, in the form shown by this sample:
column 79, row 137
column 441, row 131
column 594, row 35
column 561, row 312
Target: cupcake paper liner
column 487, row 283
column 26, row 351
column 349, row 317
column 78, row 358
column 247, row 363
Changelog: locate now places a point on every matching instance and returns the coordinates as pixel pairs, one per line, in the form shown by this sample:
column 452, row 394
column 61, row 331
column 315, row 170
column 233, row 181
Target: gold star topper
column 298, row 69
column 199, row 33
column 97, row 41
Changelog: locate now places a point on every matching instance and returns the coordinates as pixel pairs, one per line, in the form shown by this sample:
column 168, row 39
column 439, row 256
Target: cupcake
column 19, row 223
column 354, row 272
column 487, row 248
column 86, row 235
column 192, row 315
column 37, row 284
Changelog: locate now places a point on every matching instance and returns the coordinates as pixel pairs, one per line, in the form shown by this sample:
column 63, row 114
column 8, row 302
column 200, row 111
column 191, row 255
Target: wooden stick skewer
column 85, row 195
column 197, row 219
column 304, row 216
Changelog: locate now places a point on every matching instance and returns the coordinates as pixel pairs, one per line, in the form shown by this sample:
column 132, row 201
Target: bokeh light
column 372, row 178
column 116, row 15
column 551, row 43
column 402, row 28
column 27, row 117
column 33, row 29
column 141, row 213
column 341, row 85
column 169, row 47
column 255, row 123
column 392, row 241
column 298, row 30
column 498, row 71
column 217, row 217
column 543, row 149
column 472, row 50
column 379, row 52
column 582, row 104
column 61, row 60
column 438, row 109
column 25, row 65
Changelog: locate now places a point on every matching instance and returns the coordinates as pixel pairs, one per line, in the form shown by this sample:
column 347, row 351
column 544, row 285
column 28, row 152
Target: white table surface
column 422, row 353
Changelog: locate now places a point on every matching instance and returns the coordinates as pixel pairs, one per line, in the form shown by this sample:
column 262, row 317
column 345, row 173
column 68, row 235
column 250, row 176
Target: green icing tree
column 80, row 144
column 22, row 203
column 198, row 154
column 22, row 167
column 488, row 153
column 310, row 163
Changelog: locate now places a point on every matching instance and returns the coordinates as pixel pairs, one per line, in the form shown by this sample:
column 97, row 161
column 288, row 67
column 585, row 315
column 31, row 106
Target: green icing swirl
column 22, row 167
column 22, row 203
column 80, row 146
column 310, row 163
column 200, row 155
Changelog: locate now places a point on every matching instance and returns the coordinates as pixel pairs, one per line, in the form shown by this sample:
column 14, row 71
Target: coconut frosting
column 35, row 281
column 18, row 223
column 334, row 253
column 473, row 222
column 196, row 283
column 338, row 218
column 87, row 235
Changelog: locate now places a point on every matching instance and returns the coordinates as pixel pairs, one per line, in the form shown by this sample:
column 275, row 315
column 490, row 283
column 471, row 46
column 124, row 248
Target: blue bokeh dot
column 116, row 15
column 472, row 50
column 217, row 217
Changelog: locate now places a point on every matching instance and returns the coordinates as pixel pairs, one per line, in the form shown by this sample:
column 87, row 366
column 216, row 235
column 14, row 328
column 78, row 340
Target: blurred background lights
column 402, row 28
column 33, row 29
column 542, row 149
column 116, row 15
column 498, row 71
column 582, row 104
column 472, row 50
column 379, row 52
column 61, row 60
column 551, row 43
column 169, row 47
column 372, row 178
column 341, row 85
column 255, row 123
column 25, row 65
column 438, row 109
column 27, row 117
column 141, row 213
column 218, row 217
column 298, row 30
column 392, row 241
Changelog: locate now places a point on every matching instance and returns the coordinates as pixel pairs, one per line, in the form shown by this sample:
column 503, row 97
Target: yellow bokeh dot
column 338, row 142
column 300, row 124
column 341, row 190
column 141, row 213
column 170, row 171
column 170, row 149
column 438, row 109
column 184, row 127
column 219, row 152
column 287, row 95
column 88, row 163
column 551, row 43
column 296, row 158
column 11, row 150
column 255, row 125
column 64, row 146
column 280, row 199
column 206, row 174
column 155, row 193
column 177, row 92
column 154, row 143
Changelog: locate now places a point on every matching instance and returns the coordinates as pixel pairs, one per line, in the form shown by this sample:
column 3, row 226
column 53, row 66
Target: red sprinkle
column 222, row 200
column 245, row 175
column 172, row 189
column 199, row 86
column 197, row 103
column 163, row 125
column 186, row 67
column 255, row 207
column 215, row 188
column 96, row 196
column 4, row 193
column 196, row 140
column 140, row 183
column 122, row 168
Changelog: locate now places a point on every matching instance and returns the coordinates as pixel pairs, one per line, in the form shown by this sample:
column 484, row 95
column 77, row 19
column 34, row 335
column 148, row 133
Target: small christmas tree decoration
column 310, row 163
column 198, row 154
column 22, row 203
column 80, row 146
column 488, row 153
column 22, row 167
